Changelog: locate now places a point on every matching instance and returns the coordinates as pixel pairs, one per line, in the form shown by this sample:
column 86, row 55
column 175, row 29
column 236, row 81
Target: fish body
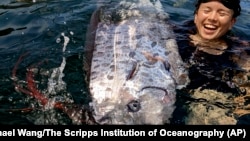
column 135, row 67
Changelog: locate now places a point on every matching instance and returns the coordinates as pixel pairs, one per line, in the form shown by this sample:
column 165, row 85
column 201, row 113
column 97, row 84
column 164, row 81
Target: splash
column 56, row 83
column 79, row 114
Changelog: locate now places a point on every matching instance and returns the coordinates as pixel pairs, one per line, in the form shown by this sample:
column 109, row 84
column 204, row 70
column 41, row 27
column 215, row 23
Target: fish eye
column 134, row 106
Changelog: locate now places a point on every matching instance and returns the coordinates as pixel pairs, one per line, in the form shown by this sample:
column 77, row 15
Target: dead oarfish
column 135, row 67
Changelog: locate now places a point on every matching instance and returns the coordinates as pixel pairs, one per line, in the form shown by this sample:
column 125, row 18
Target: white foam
column 55, row 82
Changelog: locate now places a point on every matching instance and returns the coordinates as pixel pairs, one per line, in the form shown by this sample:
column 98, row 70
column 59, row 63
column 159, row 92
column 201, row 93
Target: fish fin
column 90, row 42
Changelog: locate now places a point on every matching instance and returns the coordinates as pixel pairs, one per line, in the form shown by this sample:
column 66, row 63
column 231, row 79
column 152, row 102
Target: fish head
column 148, row 98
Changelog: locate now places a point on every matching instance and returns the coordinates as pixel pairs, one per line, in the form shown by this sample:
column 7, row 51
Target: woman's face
column 213, row 20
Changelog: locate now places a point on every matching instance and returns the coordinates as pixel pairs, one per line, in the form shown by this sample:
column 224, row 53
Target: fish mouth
column 153, row 106
column 161, row 94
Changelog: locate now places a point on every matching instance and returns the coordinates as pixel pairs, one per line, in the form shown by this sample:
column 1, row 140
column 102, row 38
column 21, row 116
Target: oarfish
column 134, row 64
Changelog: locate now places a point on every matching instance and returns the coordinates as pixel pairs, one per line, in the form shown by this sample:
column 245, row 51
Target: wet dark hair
column 231, row 4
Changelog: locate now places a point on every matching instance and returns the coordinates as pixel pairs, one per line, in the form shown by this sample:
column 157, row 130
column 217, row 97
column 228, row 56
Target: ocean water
column 49, row 35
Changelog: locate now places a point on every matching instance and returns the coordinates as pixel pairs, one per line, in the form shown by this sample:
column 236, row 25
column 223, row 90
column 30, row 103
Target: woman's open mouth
column 209, row 28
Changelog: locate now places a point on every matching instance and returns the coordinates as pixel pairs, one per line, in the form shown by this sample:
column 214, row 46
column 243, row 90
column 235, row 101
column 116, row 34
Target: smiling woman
column 213, row 19
column 217, row 61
